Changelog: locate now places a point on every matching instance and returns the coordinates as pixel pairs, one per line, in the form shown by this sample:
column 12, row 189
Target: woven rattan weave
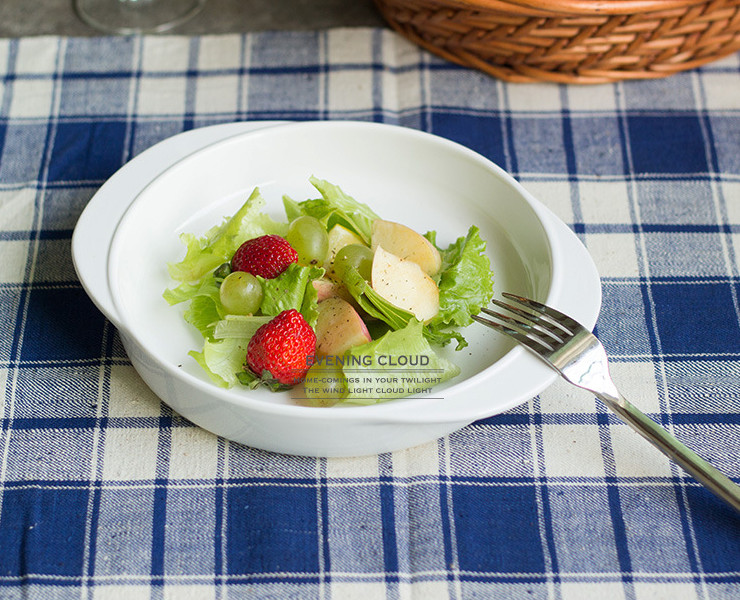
column 571, row 41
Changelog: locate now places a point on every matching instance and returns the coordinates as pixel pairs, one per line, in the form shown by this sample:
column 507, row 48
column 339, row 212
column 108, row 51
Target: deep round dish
column 394, row 170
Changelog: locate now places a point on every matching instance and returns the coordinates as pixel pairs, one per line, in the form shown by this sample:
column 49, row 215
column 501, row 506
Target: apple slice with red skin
column 339, row 327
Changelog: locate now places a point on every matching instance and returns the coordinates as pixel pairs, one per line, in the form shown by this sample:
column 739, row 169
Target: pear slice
column 407, row 244
column 404, row 284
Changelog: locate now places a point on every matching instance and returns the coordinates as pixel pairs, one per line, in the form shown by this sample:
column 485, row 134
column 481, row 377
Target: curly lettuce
column 203, row 254
column 334, row 208
column 465, row 282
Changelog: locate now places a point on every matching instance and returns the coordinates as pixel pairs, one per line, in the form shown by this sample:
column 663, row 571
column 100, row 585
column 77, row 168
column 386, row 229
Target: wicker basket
column 571, row 41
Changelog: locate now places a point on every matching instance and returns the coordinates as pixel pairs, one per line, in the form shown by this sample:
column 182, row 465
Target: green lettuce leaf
column 310, row 305
column 226, row 337
column 188, row 291
column 396, row 318
column 465, row 282
column 205, row 307
column 223, row 360
column 334, row 207
column 220, row 242
column 238, row 326
column 373, row 303
column 224, row 353
column 401, row 363
column 293, row 288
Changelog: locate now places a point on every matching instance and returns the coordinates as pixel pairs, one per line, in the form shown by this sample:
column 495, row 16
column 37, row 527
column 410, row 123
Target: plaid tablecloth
column 105, row 493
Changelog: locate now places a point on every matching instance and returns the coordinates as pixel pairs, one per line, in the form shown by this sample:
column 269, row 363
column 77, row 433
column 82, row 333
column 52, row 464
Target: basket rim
column 605, row 7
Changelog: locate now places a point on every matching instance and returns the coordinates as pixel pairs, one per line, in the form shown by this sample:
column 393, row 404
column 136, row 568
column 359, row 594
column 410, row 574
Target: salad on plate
column 351, row 306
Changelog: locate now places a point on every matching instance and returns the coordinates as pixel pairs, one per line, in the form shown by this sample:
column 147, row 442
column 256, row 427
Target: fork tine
column 526, row 322
column 513, row 329
column 531, row 318
column 551, row 315
column 520, row 337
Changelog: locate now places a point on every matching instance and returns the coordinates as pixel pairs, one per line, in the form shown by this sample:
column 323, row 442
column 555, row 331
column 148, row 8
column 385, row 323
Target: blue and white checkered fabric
column 105, row 493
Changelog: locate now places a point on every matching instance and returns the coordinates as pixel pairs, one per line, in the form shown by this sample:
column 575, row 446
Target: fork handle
column 713, row 479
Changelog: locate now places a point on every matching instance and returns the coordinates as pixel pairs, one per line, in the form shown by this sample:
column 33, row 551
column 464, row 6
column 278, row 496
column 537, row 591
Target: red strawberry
column 279, row 350
column 266, row 256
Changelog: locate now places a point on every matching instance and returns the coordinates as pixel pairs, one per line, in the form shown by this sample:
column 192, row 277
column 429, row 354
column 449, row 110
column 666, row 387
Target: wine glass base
column 136, row 16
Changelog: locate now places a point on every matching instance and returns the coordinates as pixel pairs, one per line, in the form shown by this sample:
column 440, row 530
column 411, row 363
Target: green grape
column 357, row 256
column 309, row 239
column 241, row 293
column 325, row 384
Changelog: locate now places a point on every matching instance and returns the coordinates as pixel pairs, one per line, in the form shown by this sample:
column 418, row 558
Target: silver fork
column 579, row 357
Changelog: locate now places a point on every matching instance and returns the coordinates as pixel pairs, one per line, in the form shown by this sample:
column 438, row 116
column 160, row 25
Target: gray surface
column 57, row 17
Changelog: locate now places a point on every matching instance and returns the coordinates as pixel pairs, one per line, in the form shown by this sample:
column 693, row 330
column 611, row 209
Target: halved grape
column 241, row 293
column 325, row 384
column 309, row 239
column 354, row 255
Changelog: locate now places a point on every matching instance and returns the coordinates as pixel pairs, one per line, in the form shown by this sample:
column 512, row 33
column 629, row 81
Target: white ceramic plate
column 188, row 183
column 97, row 223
